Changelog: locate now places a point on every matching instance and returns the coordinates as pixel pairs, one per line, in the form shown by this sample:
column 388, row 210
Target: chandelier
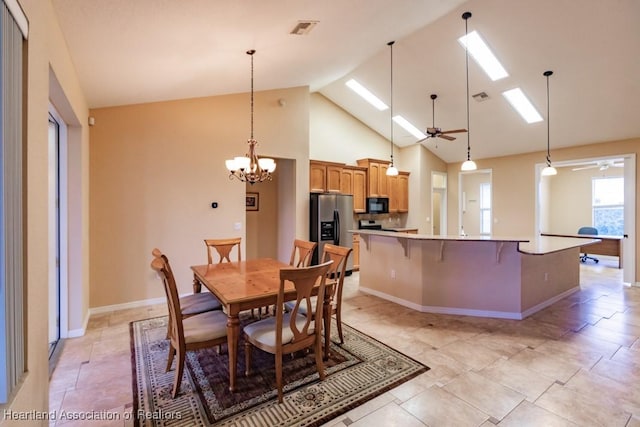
column 250, row 168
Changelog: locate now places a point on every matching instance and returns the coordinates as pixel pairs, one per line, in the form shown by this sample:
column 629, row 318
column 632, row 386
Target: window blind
column 12, row 333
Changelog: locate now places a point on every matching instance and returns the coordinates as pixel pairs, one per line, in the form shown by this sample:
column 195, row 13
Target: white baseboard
column 549, row 302
column 75, row 333
column 127, row 305
column 468, row 311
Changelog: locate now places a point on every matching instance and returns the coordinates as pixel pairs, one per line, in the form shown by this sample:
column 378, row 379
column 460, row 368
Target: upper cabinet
column 396, row 188
column 328, row 177
column 325, row 177
column 368, row 179
column 377, row 185
column 354, row 181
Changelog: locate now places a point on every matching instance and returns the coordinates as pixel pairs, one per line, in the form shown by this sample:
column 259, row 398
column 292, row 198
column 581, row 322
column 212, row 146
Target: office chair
column 593, row 232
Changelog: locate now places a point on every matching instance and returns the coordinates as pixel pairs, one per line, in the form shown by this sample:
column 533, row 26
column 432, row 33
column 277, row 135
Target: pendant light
column 548, row 170
column 249, row 168
column 391, row 170
column 468, row 165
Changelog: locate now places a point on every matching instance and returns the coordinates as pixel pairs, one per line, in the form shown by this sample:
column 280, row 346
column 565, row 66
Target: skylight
column 483, row 56
column 409, row 127
column 523, row 106
column 368, row 96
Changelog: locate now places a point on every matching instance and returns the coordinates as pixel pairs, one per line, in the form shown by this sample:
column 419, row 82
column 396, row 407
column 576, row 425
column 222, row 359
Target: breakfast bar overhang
column 483, row 276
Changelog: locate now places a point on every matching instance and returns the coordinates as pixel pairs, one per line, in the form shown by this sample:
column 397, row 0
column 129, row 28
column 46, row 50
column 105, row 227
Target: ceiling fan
column 602, row 165
column 433, row 131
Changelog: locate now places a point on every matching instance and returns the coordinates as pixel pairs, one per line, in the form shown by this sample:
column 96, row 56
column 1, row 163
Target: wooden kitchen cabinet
column 354, row 181
column 402, row 191
column 324, row 177
column 393, row 193
column 377, row 183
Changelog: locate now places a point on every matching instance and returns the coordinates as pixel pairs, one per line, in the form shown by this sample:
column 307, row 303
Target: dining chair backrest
column 302, row 253
column 160, row 264
column 223, row 247
column 339, row 255
column 304, row 280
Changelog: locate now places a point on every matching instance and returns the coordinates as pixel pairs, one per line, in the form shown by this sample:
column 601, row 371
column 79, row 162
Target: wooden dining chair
column 223, row 248
column 335, row 282
column 287, row 333
column 202, row 330
column 302, row 253
column 195, row 303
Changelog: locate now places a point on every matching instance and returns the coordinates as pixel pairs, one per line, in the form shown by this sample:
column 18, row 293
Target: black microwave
column 377, row 205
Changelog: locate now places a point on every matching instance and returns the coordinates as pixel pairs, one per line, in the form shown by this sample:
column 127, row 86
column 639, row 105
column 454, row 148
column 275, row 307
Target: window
column 608, row 205
column 485, row 208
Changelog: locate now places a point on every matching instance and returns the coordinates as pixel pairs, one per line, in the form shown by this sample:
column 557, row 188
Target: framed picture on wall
column 253, row 201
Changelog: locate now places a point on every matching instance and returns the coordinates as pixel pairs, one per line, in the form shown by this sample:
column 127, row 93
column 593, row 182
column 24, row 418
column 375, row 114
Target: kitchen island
column 482, row 276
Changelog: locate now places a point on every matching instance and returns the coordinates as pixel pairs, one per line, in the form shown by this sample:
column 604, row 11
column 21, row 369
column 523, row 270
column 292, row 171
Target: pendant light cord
column 391, row 103
column 466, row 16
column 251, row 52
column 547, row 74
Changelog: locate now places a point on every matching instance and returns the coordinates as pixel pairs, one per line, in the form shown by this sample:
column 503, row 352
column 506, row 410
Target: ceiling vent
column 303, row 28
column 481, row 96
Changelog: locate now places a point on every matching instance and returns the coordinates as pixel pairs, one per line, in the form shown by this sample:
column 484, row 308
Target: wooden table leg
column 233, row 330
column 326, row 316
column 197, row 286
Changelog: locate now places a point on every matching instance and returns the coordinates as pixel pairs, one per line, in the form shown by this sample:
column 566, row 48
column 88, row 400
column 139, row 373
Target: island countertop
column 533, row 246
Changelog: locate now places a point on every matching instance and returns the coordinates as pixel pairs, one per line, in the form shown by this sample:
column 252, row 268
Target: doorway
column 548, row 220
column 476, row 203
column 438, row 203
column 54, row 229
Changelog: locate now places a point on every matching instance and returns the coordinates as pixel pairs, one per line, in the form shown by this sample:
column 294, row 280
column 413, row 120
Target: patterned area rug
column 357, row 371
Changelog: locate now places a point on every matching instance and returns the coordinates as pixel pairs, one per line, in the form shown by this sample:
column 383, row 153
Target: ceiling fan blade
column 447, row 137
column 454, row 131
column 422, row 140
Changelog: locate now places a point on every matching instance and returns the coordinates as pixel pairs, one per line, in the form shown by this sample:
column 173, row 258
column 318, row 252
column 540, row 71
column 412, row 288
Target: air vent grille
column 303, row 28
column 481, row 96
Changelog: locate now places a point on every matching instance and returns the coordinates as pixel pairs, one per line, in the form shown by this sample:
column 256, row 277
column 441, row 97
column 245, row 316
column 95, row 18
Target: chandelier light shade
column 391, row 170
column 548, row 170
column 468, row 165
column 250, row 168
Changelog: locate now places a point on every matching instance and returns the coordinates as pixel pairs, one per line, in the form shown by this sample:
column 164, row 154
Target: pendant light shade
column 548, row 170
column 391, row 170
column 249, row 168
column 468, row 165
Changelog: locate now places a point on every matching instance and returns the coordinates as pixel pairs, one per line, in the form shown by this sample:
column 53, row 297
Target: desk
column 608, row 245
column 245, row 285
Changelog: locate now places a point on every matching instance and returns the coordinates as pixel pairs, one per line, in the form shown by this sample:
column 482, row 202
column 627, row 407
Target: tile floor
column 576, row 363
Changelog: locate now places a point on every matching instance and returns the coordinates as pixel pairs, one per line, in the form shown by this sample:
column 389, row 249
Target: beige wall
column 262, row 225
column 47, row 52
column 156, row 168
column 337, row 136
column 570, row 198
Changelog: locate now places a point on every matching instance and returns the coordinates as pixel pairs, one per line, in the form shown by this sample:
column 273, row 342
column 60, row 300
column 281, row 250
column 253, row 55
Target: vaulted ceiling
column 128, row 52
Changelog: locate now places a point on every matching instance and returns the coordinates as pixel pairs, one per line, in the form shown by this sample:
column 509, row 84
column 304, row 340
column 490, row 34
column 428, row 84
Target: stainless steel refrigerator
column 331, row 215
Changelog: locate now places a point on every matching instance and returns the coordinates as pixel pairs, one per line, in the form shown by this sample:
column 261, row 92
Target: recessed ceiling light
column 523, row 106
column 404, row 123
column 483, row 55
column 368, row 96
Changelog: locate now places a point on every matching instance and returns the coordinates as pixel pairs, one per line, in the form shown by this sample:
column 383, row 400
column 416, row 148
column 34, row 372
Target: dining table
column 246, row 285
